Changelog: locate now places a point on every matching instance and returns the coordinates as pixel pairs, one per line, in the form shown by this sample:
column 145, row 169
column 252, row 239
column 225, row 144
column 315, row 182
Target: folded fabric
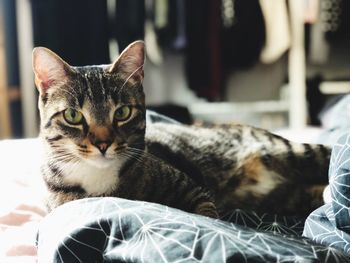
column 119, row 230
column 330, row 224
column 335, row 119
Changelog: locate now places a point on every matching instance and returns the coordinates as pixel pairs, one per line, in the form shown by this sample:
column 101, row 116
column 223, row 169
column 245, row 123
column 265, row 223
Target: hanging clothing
column 76, row 30
column 129, row 22
column 243, row 41
column 203, row 51
column 278, row 35
column 330, row 39
column 221, row 35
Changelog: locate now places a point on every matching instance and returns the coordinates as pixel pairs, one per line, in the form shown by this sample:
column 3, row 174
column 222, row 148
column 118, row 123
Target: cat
column 97, row 144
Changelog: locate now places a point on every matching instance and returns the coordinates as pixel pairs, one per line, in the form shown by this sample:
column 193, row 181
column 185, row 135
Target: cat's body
column 245, row 167
column 97, row 144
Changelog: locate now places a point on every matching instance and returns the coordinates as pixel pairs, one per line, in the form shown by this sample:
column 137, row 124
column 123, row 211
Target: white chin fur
column 96, row 176
column 100, row 161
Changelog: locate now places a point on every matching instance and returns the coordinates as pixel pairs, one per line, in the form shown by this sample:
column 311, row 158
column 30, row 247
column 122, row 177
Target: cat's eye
column 123, row 113
column 72, row 116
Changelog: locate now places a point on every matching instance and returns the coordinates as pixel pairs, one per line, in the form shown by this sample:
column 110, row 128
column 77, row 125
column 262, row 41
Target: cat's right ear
column 49, row 69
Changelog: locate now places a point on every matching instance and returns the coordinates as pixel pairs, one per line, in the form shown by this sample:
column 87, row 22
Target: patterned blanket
column 330, row 224
column 119, row 230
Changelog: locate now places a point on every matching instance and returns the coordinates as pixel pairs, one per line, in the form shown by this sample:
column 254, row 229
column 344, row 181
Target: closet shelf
column 270, row 115
column 335, row 87
column 206, row 108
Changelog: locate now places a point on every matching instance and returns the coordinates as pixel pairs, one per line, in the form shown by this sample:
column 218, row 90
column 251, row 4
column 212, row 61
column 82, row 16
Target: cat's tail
column 311, row 162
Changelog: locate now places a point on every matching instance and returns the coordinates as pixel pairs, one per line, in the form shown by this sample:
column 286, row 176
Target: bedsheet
column 21, row 200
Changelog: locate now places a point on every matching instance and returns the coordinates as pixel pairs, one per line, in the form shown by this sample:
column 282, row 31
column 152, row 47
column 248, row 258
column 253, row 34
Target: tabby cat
column 97, row 144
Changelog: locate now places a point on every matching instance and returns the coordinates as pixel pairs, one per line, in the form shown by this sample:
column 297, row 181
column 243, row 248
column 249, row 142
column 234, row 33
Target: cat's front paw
column 207, row 209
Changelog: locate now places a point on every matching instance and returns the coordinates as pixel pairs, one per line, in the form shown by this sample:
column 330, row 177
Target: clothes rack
column 294, row 104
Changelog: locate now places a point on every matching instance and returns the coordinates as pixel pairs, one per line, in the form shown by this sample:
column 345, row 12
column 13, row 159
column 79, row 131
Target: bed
column 119, row 230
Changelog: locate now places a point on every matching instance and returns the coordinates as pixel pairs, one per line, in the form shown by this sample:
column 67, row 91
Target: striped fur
column 245, row 167
column 197, row 169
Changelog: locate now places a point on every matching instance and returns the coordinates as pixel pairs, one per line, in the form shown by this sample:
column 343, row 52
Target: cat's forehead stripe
column 101, row 87
column 96, row 90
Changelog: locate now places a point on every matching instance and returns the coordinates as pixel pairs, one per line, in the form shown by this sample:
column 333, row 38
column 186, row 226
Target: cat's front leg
column 178, row 190
column 57, row 198
column 151, row 179
column 194, row 199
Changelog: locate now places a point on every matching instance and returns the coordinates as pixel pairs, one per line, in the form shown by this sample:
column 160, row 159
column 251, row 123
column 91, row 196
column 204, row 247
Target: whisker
column 140, row 155
column 136, row 150
column 136, row 158
column 84, row 151
column 63, row 168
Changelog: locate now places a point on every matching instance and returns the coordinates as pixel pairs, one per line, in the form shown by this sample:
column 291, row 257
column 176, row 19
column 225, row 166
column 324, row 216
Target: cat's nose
column 101, row 138
column 102, row 146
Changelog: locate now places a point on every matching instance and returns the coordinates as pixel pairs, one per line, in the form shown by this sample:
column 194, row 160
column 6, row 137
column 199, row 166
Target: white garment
column 278, row 36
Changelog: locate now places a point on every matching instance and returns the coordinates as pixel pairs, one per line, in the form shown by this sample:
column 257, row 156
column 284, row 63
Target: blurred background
column 275, row 64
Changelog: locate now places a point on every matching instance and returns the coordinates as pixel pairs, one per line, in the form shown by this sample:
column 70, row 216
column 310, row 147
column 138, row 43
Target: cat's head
column 91, row 113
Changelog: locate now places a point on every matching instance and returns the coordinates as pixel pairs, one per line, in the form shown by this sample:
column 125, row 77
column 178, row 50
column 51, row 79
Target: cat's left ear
column 129, row 64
